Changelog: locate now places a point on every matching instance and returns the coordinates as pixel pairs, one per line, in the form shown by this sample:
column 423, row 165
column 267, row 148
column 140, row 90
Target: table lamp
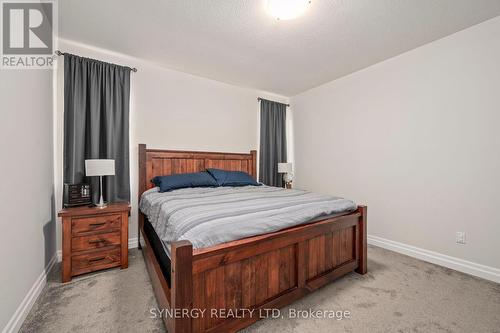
column 100, row 168
column 286, row 170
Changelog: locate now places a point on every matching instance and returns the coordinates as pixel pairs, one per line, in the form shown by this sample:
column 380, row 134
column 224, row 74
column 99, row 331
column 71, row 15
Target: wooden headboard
column 154, row 162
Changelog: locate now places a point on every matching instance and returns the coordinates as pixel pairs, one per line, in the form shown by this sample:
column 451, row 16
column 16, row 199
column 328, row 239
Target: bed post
column 362, row 242
column 254, row 163
column 142, row 187
column 182, row 283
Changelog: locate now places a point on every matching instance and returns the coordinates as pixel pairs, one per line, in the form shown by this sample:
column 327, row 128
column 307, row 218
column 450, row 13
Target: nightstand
column 94, row 239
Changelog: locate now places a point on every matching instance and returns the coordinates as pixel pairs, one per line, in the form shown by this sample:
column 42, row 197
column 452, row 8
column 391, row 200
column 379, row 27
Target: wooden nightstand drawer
column 94, row 225
column 94, row 261
column 95, row 241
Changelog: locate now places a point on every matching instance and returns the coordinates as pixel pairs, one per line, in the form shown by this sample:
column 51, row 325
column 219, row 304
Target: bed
column 252, row 269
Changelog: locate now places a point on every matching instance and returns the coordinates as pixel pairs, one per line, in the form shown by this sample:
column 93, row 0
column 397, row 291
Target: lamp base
column 101, row 205
column 287, row 179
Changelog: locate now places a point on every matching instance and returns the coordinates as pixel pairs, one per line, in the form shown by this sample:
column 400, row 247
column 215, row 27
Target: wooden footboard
column 229, row 286
column 271, row 271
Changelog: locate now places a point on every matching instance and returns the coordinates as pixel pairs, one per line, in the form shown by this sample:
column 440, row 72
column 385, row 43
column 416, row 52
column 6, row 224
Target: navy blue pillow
column 232, row 178
column 183, row 180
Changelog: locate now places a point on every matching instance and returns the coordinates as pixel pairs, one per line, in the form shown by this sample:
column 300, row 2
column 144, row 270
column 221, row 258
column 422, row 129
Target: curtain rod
column 260, row 99
column 59, row 53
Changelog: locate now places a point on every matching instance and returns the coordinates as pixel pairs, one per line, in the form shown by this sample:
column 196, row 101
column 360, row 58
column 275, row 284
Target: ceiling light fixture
column 287, row 9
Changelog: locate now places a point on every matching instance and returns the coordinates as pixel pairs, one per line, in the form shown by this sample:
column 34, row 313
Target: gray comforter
column 211, row 216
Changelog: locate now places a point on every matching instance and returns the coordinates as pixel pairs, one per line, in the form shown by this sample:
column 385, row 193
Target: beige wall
column 26, row 178
column 173, row 110
column 416, row 138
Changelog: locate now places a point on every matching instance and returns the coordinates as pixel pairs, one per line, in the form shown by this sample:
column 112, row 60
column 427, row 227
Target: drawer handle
column 97, row 259
column 96, row 224
column 96, row 241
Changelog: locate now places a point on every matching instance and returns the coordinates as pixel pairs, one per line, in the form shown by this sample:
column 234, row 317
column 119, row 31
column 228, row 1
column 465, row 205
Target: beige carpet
column 399, row 294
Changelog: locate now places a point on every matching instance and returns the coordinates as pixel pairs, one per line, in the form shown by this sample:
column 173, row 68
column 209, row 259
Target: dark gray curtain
column 96, row 123
column 272, row 141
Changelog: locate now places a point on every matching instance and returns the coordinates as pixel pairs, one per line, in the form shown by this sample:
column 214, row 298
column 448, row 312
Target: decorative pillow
column 232, row 178
column 183, row 180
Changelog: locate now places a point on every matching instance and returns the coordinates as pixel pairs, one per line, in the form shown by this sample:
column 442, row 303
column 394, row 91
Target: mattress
column 159, row 249
column 211, row 216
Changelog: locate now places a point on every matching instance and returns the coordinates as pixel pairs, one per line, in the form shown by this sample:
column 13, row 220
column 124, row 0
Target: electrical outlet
column 460, row 237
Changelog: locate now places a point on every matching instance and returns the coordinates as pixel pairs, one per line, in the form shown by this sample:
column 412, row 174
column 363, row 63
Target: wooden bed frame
column 263, row 272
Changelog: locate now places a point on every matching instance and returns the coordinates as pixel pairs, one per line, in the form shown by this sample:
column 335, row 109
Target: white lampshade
column 284, row 167
column 99, row 168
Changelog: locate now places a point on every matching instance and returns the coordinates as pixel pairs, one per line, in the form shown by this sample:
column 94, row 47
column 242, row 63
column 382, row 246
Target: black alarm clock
column 77, row 195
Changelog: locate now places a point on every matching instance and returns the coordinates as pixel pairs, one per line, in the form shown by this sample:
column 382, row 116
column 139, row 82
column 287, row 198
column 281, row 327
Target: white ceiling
column 237, row 42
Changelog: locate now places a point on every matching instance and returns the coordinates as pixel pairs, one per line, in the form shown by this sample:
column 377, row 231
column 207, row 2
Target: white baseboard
column 132, row 244
column 464, row 266
column 24, row 308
